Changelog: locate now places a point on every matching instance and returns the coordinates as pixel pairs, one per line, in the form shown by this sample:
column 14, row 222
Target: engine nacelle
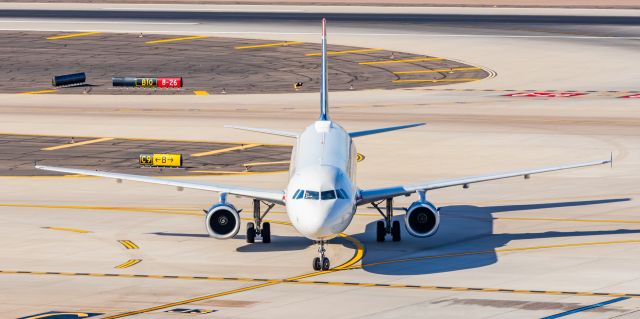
column 222, row 221
column 422, row 219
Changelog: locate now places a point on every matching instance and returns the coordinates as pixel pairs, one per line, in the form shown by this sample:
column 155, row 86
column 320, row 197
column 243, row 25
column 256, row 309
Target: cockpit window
column 327, row 195
column 341, row 193
column 311, row 195
column 298, row 194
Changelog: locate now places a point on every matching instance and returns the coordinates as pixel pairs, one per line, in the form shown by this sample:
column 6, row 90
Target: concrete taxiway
column 557, row 243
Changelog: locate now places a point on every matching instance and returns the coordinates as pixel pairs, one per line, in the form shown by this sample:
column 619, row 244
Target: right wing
column 264, row 130
column 273, row 196
column 375, row 194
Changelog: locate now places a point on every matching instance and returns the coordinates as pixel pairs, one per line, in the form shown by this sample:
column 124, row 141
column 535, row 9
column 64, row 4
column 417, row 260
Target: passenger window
column 327, row 195
column 311, row 195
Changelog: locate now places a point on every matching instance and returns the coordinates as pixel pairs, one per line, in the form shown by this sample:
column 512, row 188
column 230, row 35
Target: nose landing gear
column 322, row 262
column 258, row 227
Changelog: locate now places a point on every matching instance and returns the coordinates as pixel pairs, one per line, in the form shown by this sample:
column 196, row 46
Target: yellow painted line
column 200, row 92
column 129, row 263
column 436, row 71
column 65, row 36
column 224, row 150
column 98, row 140
column 39, row 92
column 128, row 244
column 109, row 208
column 276, row 44
column 436, row 80
column 265, row 163
column 492, row 251
column 177, row 39
column 270, row 282
column 344, row 52
column 401, row 61
column 73, row 230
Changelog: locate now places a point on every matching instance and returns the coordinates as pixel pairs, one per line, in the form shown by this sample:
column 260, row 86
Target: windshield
column 324, row 195
column 311, row 195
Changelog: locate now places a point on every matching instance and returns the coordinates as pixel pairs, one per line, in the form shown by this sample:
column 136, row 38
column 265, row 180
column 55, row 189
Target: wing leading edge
column 263, row 194
column 370, row 195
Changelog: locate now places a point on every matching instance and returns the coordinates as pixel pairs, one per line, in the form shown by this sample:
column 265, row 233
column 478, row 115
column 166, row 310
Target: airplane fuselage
column 321, row 194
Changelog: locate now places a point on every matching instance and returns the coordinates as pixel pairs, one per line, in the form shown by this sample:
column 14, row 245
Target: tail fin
column 324, row 107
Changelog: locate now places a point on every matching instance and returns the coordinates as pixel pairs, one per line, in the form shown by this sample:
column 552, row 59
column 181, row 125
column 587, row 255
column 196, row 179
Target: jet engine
column 223, row 221
column 422, row 219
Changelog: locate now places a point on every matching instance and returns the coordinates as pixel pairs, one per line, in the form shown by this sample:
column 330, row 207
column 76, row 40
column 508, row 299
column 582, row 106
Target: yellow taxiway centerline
column 401, row 61
column 436, row 80
column 98, row 140
column 343, row 52
column 66, row 36
column 266, row 45
column 177, row 39
column 73, row 230
column 39, row 92
column 436, row 70
column 200, row 92
column 224, row 150
column 265, row 163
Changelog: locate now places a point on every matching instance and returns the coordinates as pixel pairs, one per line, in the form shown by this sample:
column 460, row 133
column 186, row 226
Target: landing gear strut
column 322, row 262
column 387, row 226
column 258, row 227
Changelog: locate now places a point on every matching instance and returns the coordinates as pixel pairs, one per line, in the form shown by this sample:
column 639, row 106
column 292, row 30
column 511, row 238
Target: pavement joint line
column 401, row 61
column 437, row 70
column 266, row 45
column 143, row 139
column 177, row 39
column 128, row 244
column 98, row 140
column 270, row 282
column 127, row 264
column 344, row 52
column 196, row 212
column 66, row 36
column 436, row 80
column 224, row 150
column 39, row 92
column 73, row 230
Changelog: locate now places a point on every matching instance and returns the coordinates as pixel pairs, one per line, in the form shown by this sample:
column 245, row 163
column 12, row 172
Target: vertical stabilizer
column 324, row 107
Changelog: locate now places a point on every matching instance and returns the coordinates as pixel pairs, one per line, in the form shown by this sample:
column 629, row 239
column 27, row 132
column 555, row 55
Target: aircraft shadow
column 462, row 229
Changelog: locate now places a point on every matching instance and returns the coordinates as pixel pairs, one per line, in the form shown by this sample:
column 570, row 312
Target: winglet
column 324, row 108
column 611, row 159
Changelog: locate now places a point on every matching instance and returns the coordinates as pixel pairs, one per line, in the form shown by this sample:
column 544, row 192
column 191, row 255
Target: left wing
column 273, row 196
column 370, row 195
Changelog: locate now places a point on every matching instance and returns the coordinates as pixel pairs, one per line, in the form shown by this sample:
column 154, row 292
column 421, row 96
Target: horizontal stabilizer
column 264, row 130
column 384, row 129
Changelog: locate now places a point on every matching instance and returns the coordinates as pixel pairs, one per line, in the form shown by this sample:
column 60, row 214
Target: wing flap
column 263, row 194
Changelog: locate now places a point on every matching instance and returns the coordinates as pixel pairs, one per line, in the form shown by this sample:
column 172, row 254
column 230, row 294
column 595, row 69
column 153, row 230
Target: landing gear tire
column 317, row 265
column 380, row 231
column 251, row 233
column 266, row 233
column 325, row 263
column 395, row 230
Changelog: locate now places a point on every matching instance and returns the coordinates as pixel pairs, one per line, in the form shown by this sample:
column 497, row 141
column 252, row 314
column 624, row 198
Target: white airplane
column 321, row 197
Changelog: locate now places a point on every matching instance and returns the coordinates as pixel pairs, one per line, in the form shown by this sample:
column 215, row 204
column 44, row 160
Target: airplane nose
column 319, row 223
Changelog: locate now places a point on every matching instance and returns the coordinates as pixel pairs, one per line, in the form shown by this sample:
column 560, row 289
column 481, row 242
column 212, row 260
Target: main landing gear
column 258, row 228
column 322, row 262
column 387, row 226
